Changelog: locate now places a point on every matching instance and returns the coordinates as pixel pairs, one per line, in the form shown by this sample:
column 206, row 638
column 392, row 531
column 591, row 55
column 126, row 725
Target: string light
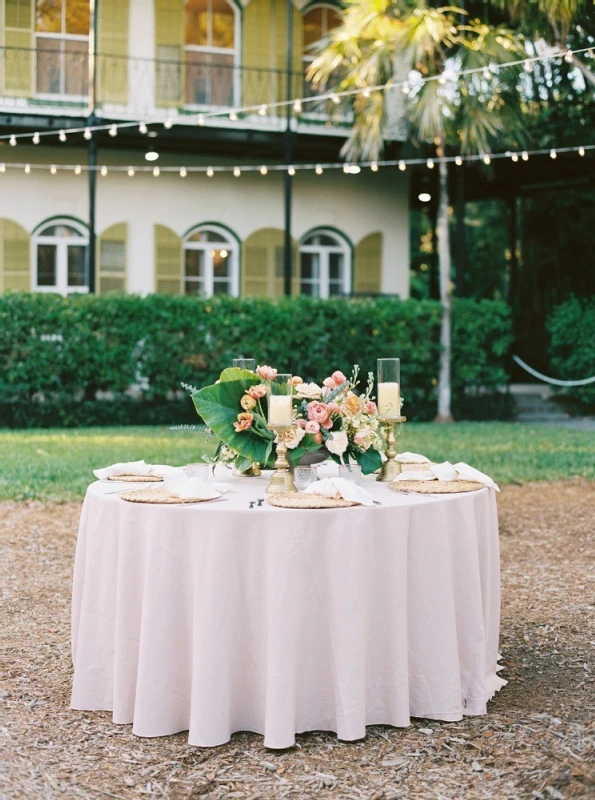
column 87, row 134
column 366, row 93
column 515, row 157
column 200, row 121
column 210, row 172
column 156, row 172
column 318, row 169
column 78, row 169
column 237, row 172
column 458, row 161
column 2, row 167
column 346, row 168
column 402, row 166
column 406, row 88
column 263, row 170
column 168, row 124
column 183, row 172
column 62, row 136
column 262, row 110
column 525, row 155
column 487, row 160
column 297, row 106
column 53, row 169
column 374, row 166
column 553, row 153
column 12, row 141
column 430, row 163
column 569, row 57
column 103, row 171
column 442, row 79
column 528, row 66
column 336, row 99
column 113, row 130
column 27, row 169
column 581, row 151
column 291, row 171
column 233, row 116
column 130, row 172
column 36, row 138
column 142, row 128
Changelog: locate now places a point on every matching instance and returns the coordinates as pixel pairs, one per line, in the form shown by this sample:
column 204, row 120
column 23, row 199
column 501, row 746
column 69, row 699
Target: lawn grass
column 56, row 465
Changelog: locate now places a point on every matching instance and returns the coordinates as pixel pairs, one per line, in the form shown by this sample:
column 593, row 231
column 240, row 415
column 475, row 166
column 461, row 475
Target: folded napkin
column 412, row 458
column 178, row 484
column 449, row 472
column 341, row 489
column 132, row 468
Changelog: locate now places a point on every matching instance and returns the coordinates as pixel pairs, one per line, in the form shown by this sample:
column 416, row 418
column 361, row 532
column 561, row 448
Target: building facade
column 160, row 65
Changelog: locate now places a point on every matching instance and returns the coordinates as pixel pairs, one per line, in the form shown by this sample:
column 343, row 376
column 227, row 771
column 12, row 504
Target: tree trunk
column 444, row 382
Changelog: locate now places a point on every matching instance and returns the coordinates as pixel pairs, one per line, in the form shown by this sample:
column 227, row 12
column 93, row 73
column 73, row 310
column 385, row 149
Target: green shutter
column 15, row 257
column 169, row 278
column 367, row 272
column 112, row 47
column 169, row 52
column 17, row 71
column 112, row 259
column 262, row 266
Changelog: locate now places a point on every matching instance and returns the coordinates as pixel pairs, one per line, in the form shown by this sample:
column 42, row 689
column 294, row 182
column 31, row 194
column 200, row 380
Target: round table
column 216, row 618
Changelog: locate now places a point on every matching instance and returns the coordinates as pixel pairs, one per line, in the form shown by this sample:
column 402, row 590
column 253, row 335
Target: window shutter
column 169, row 52
column 367, row 277
column 280, row 55
column 113, row 50
column 15, row 257
column 111, row 259
column 262, row 265
column 18, row 55
column 169, row 277
column 257, row 75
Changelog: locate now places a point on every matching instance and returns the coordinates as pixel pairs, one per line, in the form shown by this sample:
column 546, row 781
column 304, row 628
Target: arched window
column 319, row 20
column 62, row 42
column 325, row 262
column 211, row 31
column 210, row 262
column 60, row 252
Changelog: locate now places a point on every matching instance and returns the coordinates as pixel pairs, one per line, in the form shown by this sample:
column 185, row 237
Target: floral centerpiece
column 331, row 417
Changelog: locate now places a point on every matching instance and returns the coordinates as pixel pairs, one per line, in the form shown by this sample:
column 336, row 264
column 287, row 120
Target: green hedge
column 572, row 348
column 59, row 355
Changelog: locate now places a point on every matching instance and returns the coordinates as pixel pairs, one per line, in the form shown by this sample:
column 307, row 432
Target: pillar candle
column 389, row 400
column 279, row 409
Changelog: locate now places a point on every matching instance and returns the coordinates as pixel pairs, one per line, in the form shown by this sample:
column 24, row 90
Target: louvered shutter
column 15, row 257
column 257, row 76
column 18, row 54
column 169, row 277
column 262, row 265
column 112, row 64
column 111, row 259
column 169, row 52
column 367, row 277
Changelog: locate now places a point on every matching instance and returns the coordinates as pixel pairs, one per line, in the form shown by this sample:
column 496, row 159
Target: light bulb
column 210, row 172
column 156, row 172
column 36, row 138
column 262, row 110
column 27, row 169
column 487, row 160
column 336, row 99
column 291, row 171
column 430, row 163
column 366, row 93
column 183, row 172
column 581, row 151
column 402, row 166
column 424, row 197
column 515, row 157
column 113, row 130
column 528, row 65
column 406, row 88
column 53, row 169
column 168, row 124
column 346, row 168
column 142, row 128
column 87, row 134
column 442, row 80
column 78, row 169
column 233, row 116
column 553, row 153
column 486, row 73
column 237, row 172
column 103, row 171
column 525, row 155
column 223, row 253
column 297, row 106
column 458, row 161
column 569, row 57
column 200, row 121
column 151, row 155
column 318, row 169
column 62, row 136
column 353, row 169
column 374, row 166
column 130, row 172
column 12, row 141
column 263, row 170
column 2, row 167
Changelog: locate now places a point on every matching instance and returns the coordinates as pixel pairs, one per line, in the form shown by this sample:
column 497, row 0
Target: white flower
column 293, row 437
column 337, row 443
column 308, row 391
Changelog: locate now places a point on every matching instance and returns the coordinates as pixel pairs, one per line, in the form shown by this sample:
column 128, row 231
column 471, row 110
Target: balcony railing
column 55, row 79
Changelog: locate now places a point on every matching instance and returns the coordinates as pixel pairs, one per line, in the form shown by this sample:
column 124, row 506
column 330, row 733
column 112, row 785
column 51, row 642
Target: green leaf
column 369, row 460
column 293, row 456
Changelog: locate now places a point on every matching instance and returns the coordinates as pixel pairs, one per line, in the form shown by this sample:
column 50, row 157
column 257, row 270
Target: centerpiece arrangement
column 332, row 419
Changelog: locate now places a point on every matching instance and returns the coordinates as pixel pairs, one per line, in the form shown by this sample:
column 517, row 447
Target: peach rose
column 301, row 423
column 257, row 391
column 247, row 402
column 266, row 373
column 329, row 383
column 312, row 427
column 351, row 404
column 244, row 422
column 319, row 413
column 296, row 380
column 371, row 407
column 318, row 438
column 338, row 377
column 334, row 408
column 362, row 439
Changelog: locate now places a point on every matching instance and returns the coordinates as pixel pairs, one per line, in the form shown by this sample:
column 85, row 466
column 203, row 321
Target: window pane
column 324, row 239
column 209, row 79
column 195, row 263
column 167, row 73
column 77, row 274
column 221, row 287
column 221, row 265
column 207, row 236
column 46, row 264
column 112, row 256
column 76, row 69
column 223, row 22
column 335, row 266
column 310, row 263
column 49, row 66
column 313, row 30
column 63, row 231
column 311, row 289
column 48, row 16
column 335, row 288
column 197, row 22
column 77, row 17
column 193, row 287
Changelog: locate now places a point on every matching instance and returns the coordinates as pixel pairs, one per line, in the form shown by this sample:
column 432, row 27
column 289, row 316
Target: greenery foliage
column 572, row 331
column 71, row 361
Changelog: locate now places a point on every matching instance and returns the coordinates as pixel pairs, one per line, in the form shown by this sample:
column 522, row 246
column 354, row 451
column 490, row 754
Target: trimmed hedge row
column 572, row 348
column 93, row 360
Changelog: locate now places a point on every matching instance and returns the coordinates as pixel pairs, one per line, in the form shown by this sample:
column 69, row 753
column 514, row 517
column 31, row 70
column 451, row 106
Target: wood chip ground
column 537, row 741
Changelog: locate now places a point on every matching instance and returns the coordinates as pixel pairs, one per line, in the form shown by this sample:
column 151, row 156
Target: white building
column 164, row 62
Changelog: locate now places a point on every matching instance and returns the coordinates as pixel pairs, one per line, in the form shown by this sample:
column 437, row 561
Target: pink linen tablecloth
column 214, row 618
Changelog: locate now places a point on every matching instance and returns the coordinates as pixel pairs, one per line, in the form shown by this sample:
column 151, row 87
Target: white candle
column 280, row 409
column 389, row 400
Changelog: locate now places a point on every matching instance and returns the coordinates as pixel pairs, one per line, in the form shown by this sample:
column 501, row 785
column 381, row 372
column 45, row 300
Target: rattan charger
column 158, row 495
column 135, row 478
column 435, row 487
column 303, row 500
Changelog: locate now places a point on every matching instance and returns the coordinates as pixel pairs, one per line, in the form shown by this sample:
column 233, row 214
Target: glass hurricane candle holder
column 244, row 363
column 388, row 372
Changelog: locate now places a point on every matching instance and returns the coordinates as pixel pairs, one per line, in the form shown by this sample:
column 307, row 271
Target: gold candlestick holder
column 391, row 467
column 281, row 479
column 253, row 471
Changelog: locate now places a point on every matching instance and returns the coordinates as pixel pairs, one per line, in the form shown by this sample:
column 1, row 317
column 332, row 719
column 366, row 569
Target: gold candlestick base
column 391, row 468
column 281, row 479
column 253, row 471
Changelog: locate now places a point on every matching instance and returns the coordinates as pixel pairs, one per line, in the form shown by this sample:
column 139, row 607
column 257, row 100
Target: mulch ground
column 537, row 741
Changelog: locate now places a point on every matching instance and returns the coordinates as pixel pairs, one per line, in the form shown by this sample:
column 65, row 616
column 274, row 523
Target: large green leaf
column 219, row 406
column 369, row 460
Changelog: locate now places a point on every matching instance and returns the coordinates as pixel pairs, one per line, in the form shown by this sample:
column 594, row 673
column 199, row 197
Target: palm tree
column 385, row 42
column 556, row 21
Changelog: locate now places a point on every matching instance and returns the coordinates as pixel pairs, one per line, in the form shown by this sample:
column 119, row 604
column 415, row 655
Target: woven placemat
column 414, row 467
column 156, row 495
column 435, row 487
column 303, row 500
column 135, row 478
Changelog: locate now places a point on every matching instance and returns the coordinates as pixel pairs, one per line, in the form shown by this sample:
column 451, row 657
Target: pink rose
column 317, row 438
column 244, row 422
column 312, row 427
column 362, row 439
column 371, row 407
column 301, row 423
column 333, row 408
column 338, row 377
column 257, row 391
column 329, row 383
column 319, row 413
column 266, row 373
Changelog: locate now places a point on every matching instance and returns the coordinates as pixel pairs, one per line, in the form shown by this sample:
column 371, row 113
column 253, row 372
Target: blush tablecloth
column 214, row 618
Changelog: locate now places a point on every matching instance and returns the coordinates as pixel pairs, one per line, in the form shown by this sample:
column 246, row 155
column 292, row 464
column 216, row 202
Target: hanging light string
column 263, row 169
column 262, row 109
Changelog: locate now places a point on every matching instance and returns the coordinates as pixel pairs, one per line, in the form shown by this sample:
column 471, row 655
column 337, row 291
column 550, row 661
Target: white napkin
column 178, row 484
column 449, row 472
column 471, row 474
column 341, row 489
column 132, row 468
column 412, row 458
